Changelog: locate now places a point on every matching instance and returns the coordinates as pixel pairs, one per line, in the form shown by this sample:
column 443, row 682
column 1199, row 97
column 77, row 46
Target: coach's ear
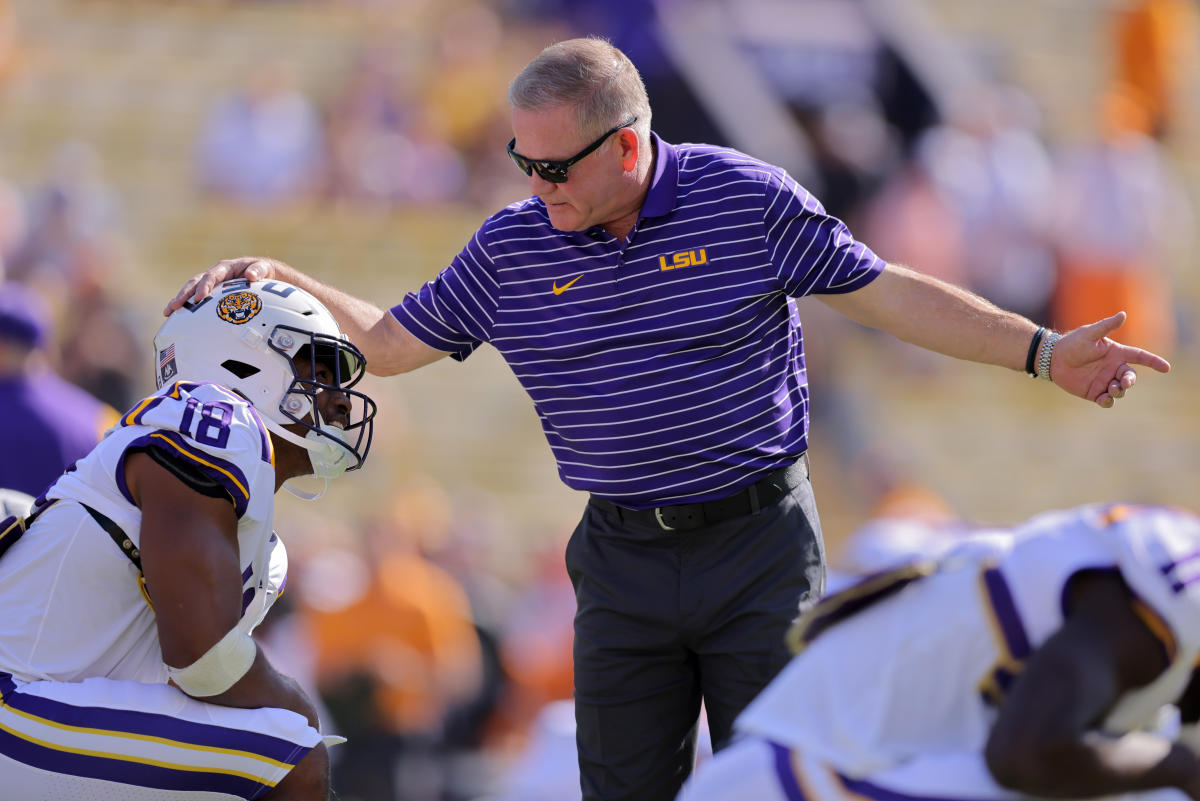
column 628, row 147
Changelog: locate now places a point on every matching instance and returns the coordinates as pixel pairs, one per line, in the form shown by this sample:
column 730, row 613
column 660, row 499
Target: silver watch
column 1043, row 362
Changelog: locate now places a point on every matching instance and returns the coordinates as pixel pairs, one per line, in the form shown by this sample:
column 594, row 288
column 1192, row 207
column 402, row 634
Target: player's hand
column 199, row 286
column 1088, row 364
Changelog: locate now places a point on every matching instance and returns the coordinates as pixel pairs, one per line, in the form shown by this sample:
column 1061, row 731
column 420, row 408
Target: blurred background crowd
column 1045, row 153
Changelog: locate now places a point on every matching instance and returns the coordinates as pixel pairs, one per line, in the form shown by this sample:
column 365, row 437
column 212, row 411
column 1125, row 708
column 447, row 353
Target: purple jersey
column 670, row 367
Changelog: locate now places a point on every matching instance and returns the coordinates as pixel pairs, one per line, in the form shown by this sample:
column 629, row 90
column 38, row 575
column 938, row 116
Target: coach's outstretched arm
column 388, row 346
column 1044, row 741
column 938, row 316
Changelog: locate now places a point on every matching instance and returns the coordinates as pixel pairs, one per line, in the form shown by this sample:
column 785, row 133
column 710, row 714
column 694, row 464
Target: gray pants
column 668, row 618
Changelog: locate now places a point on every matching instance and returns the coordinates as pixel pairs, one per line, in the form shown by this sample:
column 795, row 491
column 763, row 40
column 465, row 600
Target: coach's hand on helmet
column 199, row 286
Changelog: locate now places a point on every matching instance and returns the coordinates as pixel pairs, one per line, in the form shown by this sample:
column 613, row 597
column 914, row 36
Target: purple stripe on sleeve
column 1007, row 616
column 227, row 474
column 122, row 484
column 247, row 597
column 1170, row 566
column 788, row 782
column 135, row 415
column 1171, row 571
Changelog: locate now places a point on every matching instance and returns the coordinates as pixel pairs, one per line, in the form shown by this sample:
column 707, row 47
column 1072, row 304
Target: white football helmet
column 248, row 337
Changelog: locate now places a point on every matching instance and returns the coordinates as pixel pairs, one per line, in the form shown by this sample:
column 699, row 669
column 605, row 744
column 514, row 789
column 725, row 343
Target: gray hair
column 591, row 75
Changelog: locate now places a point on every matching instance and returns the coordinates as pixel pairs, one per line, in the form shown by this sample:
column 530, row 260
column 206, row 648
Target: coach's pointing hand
column 1088, row 364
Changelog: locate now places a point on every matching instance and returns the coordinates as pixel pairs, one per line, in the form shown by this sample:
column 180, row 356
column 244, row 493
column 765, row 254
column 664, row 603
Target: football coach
column 643, row 296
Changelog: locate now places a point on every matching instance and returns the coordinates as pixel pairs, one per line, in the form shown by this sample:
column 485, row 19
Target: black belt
column 683, row 516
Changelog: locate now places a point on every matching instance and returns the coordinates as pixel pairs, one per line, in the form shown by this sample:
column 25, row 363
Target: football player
column 1055, row 660
column 129, row 593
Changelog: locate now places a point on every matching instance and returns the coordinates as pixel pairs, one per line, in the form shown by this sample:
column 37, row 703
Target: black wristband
column 1033, row 349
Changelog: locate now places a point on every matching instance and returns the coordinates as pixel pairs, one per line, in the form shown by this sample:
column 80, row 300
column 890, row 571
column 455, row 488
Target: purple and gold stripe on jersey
column 802, row 777
column 227, row 474
column 134, row 416
column 1011, row 639
column 787, row 773
column 137, row 415
column 861, row 789
column 140, row 748
column 865, row 592
column 668, row 367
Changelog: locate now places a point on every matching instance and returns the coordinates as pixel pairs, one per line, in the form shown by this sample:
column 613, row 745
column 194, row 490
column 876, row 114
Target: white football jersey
column 919, row 671
column 73, row 604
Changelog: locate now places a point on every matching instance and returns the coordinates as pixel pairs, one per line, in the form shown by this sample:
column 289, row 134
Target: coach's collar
column 660, row 199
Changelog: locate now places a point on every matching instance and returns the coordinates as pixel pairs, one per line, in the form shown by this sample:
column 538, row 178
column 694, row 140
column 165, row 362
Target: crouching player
column 128, row 595
column 1043, row 662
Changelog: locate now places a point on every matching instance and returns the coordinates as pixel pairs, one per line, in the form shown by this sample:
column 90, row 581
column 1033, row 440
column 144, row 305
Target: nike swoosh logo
column 558, row 290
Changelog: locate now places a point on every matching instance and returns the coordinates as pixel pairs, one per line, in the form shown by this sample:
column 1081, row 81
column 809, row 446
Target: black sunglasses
column 556, row 171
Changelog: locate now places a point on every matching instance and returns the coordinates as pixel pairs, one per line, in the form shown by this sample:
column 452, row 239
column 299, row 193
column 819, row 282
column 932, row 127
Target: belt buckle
column 658, row 516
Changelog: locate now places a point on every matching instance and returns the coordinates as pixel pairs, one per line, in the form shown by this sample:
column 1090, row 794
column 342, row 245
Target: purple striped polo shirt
column 669, row 369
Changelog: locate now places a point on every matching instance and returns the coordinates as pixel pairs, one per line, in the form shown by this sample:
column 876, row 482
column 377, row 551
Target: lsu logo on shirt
column 688, row 258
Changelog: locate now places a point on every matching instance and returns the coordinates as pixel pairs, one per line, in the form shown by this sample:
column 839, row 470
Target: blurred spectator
column 384, row 149
column 911, row 221
column 74, row 208
column 1155, row 47
column 910, row 521
column 69, row 250
column 855, row 151
column 396, row 652
column 263, row 145
column 468, row 75
column 994, row 171
column 10, row 45
column 14, row 224
column 535, row 646
column 46, row 423
column 101, row 349
column 1120, row 211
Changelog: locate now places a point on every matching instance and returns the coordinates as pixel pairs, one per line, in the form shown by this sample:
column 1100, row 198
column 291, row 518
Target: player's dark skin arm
column 189, row 552
column 1044, row 742
column 190, row 560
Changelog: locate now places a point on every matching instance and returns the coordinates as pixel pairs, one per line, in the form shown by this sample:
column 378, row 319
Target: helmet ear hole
column 240, row 369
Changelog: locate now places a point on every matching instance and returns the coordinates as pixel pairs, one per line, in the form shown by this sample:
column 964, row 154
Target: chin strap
column 301, row 494
column 327, row 452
